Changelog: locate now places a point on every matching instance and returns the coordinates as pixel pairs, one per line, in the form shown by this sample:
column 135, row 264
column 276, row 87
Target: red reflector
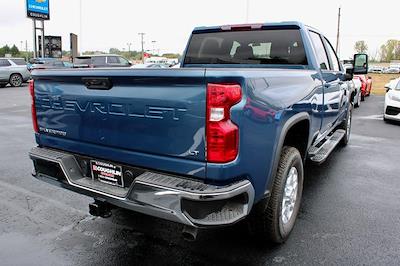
column 222, row 133
column 33, row 107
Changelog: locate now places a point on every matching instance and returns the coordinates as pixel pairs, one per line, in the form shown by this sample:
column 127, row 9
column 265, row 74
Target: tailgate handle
column 97, row 83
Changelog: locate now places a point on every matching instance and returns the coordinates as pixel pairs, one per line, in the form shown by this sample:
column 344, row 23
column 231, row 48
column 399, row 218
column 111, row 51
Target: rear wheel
column 16, row 80
column 3, row 85
column 274, row 219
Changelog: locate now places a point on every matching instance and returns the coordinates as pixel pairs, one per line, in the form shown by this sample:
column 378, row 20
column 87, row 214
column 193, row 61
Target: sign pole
column 42, row 52
column 38, row 10
column 34, row 39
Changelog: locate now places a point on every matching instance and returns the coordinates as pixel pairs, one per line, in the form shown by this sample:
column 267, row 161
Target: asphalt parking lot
column 350, row 213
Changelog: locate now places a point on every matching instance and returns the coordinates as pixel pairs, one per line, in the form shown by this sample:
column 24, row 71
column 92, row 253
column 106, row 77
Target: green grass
column 379, row 81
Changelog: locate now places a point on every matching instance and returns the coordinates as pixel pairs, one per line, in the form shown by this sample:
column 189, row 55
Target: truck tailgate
column 159, row 112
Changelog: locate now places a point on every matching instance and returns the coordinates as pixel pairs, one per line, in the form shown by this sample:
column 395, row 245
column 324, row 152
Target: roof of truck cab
column 267, row 24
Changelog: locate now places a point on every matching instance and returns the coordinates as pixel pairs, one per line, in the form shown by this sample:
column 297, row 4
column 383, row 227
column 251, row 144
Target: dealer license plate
column 107, row 173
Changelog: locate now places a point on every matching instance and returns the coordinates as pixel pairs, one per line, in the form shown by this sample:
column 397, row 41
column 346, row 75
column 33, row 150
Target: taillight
column 222, row 134
column 33, row 107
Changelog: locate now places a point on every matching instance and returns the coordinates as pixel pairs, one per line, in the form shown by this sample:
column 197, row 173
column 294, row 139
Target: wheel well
column 15, row 74
column 297, row 136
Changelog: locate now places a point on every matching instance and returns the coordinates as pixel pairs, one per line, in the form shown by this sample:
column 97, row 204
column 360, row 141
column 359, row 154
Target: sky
column 107, row 24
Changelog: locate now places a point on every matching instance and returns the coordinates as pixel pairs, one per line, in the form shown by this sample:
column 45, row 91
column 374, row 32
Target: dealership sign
column 38, row 9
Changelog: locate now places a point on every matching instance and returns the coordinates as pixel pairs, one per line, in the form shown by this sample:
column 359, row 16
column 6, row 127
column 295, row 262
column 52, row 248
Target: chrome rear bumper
column 173, row 198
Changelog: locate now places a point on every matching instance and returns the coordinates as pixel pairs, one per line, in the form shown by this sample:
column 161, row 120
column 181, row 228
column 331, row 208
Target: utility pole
column 129, row 47
column 338, row 34
column 142, row 35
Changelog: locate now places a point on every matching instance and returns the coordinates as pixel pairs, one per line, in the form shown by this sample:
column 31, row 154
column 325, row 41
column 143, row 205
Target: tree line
column 387, row 52
column 14, row 52
column 132, row 55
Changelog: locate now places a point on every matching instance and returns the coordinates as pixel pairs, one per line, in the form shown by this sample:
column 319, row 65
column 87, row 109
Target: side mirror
column 387, row 88
column 360, row 64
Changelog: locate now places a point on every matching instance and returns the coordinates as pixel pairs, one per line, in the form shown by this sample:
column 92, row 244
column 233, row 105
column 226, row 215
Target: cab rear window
column 275, row 46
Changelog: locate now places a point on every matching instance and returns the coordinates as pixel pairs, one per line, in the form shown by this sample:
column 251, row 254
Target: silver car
column 13, row 71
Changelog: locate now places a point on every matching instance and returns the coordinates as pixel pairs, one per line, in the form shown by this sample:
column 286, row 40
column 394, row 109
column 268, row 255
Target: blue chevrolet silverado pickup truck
column 221, row 139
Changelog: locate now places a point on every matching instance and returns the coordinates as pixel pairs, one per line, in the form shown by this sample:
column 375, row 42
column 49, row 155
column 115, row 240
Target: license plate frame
column 107, row 173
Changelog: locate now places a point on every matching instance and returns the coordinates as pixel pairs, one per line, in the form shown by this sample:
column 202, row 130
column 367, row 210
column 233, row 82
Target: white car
column 357, row 87
column 13, row 71
column 357, row 97
column 392, row 70
column 375, row 69
column 392, row 101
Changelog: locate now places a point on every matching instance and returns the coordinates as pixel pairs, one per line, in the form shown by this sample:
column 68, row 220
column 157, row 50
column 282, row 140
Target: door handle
column 96, row 83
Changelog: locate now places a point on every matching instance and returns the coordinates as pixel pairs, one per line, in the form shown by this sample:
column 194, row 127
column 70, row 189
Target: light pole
column 26, row 50
column 129, row 47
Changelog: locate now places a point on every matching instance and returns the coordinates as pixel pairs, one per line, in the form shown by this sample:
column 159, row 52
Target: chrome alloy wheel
column 289, row 195
column 15, row 80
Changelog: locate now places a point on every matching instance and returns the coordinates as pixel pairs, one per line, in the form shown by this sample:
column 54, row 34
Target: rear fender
column 292, row 121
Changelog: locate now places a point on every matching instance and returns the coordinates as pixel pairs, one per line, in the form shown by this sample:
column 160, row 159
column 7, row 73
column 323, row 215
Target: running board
column 321, row 153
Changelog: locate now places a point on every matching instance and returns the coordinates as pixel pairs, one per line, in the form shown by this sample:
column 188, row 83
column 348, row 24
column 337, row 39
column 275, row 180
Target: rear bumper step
column 173, row 198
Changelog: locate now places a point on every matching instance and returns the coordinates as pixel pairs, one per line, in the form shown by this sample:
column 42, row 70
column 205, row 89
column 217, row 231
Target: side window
column 322, row 58
column 112, row 60
column 123, row 61
column 332, row 55
column 98, row 60
column 4, row 63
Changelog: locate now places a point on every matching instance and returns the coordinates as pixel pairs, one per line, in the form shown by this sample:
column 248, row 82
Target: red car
column 366, row 85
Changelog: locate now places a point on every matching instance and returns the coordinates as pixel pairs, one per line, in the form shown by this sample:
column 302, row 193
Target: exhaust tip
column 189, row 233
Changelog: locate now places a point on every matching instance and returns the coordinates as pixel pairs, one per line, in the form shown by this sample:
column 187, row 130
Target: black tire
column 3, row 85
column 265, row 221
column 346, row 125
column 16, row 80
